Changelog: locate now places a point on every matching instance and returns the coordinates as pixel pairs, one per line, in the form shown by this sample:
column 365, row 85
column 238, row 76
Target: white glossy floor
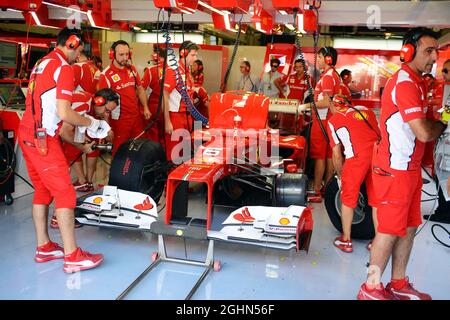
column 247, row 272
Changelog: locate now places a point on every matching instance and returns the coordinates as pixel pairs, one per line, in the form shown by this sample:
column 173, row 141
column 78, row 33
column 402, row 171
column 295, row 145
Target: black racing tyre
column 289, row 189
column 362, row 226
column 140, row 167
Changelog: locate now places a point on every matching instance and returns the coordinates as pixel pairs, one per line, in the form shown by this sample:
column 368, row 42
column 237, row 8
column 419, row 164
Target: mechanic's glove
column 94, row 124
column 101, row 131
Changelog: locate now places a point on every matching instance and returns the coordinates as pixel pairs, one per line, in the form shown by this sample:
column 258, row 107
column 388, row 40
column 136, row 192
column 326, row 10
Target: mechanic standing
column 320, row 150
column 346, row 77
column 247, row 81
column 48, row 103
column 122, row 77
column 396, row 170
column 176, row 114
column 151, row 82
column 355, row 130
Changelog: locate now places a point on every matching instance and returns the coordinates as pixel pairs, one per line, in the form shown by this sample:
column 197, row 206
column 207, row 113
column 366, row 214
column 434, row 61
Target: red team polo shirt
column 55, row 83
column 329, row 83
column 296, row 86
column 124, row 82
column 84, row 76
column 403, row 100
column 348, row 127
column 151, row 83
column 176, row 104
column 200, row 99
column 345, row 91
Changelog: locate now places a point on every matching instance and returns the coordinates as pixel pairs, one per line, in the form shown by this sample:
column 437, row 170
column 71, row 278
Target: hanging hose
column 299, row 49
column 180, row 85
column 233, row 55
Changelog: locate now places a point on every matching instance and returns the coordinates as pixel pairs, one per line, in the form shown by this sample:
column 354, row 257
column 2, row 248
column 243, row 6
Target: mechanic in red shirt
column 353, row 131
column 197, row 73
column 103, row 102
column 346, row 76
column 320, row 150
column 176, row 114
column 48, row 103
column 84, row 75
column 151, row 82
column 122, row 77
column 396, row 171
column 200, row 99
column 95, row 106
column 293, row 86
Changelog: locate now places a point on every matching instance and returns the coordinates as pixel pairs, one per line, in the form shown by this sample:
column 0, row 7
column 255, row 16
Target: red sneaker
column 408, row 292
column 378, row 293
column 49, row 251
column 54, row 223
column 81, row 260
column 344, row 245
column 81, row 187
column 315, row 197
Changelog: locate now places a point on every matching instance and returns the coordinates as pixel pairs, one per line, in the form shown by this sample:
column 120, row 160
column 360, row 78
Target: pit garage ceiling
column 332, row 12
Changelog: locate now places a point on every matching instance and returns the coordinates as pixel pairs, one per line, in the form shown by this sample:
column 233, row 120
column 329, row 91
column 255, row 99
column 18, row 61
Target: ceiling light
column 282, row 12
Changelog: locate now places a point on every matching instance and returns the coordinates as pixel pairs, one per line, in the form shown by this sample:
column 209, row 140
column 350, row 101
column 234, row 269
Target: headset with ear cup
column 408, row 50
column 328, row 57
column 73, row 42
column 99, row 101
column 184, row 48
column 112, row 50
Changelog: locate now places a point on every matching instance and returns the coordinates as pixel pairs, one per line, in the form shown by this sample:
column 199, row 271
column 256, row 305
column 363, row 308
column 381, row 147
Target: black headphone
column 185, row 48
column 328, row 56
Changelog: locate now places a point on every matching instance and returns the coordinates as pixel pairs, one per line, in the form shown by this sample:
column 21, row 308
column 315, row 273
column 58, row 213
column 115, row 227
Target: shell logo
column 284, row 221
column 360, row 115
column 97, row 200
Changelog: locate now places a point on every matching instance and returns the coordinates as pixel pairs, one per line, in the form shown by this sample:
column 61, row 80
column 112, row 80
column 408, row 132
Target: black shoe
column 438, row 217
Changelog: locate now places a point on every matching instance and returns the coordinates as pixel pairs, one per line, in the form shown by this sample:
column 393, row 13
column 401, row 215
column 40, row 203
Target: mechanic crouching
column 355, row 129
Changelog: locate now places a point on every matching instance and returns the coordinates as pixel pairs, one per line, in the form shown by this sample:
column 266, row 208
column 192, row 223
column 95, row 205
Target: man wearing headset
column 320, row 150
column 151, row 82
column 197, row 73
column 176, row 114
column 247, row 81
column 122, row 77
column 48, row 104
column 405, row 127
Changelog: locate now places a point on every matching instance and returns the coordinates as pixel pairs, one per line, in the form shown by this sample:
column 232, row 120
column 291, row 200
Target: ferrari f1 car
column 239, row 162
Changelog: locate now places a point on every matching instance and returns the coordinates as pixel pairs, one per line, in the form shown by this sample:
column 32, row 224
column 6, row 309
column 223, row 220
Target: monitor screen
column 11, row 94
column 34, row 54
column 8, row 55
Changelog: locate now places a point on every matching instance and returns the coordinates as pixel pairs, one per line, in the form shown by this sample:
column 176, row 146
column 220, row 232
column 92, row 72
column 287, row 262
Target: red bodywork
column 213, row 160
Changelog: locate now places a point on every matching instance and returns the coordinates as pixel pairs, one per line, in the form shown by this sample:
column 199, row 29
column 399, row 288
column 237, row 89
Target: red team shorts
column 318, row 147
column 399, row 194
column 49, row 174
column 357, row 170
